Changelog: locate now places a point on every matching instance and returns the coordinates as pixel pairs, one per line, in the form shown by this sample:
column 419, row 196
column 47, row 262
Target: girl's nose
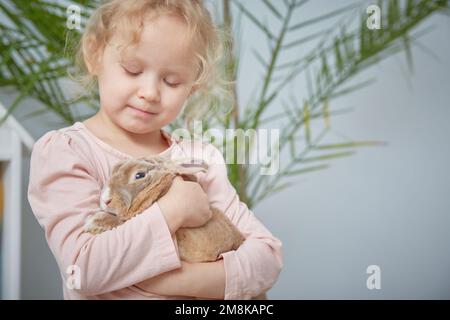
column 149, row 91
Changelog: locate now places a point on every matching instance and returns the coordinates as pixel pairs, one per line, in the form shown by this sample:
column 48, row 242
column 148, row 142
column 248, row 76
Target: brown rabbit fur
column 130, row 196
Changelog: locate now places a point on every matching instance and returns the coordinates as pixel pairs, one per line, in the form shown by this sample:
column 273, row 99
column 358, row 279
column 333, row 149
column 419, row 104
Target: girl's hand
column 185, row 205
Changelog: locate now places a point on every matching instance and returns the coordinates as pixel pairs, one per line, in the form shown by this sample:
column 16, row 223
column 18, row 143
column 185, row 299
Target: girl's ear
column 89, row 54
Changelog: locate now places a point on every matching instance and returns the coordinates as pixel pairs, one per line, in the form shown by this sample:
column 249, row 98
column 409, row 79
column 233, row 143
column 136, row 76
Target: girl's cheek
column 122, row 88
column 172, row 102
column 119, row 81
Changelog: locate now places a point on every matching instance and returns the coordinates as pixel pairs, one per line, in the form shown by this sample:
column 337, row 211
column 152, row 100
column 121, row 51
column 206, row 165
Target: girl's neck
column 149, row 143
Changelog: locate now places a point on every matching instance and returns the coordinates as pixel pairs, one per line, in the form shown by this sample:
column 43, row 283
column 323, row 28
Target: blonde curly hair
column 213, row 90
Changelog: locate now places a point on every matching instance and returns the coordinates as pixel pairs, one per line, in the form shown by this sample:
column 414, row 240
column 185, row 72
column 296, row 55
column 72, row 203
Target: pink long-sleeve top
column 68, row 170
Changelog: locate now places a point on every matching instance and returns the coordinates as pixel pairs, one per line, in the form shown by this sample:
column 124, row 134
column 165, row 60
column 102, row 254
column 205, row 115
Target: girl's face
column 145, row 88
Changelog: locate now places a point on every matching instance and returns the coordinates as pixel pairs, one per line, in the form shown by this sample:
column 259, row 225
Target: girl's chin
column 138, row 127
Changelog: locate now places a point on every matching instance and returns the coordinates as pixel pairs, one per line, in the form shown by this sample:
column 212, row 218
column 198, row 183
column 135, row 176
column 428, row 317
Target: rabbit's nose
column 108, row 201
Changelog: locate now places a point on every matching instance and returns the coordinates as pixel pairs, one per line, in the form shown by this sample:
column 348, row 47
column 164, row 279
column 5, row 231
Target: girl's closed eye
column 172, row 84
column 135, row 74
column 131, row 73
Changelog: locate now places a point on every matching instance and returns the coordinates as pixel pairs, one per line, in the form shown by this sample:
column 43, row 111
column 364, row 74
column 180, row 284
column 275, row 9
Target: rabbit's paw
column 99, row 222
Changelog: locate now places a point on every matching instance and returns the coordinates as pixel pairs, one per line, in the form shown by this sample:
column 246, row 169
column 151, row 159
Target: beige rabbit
column 135, row 184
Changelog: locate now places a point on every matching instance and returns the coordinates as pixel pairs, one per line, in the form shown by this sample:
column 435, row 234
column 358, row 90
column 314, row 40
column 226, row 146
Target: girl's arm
column 202, row 280
column 64, row 189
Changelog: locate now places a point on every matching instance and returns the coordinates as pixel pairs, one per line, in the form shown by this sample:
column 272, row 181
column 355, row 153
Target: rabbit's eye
column 139, row 175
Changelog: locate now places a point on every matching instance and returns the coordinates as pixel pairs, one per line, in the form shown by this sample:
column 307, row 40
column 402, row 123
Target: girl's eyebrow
column 173, row 70
column 133, row 59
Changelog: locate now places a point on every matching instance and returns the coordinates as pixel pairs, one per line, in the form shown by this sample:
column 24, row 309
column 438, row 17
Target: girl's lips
column 142, row 112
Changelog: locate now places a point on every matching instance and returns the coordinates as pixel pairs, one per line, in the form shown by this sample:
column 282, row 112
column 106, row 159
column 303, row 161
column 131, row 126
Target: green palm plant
column 33, row 57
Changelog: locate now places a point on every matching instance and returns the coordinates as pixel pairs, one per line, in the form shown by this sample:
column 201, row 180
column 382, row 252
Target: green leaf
column 325, row 69
column 273, row 117
column 259, row 58
column 393, row 13
column 280, row 187
column 326, row 114
column 327, row 156
column 292, row 147
column 23, row 94
column 35, row 113
column 270, row 99
column 427, row 50
column 408, row 53
column 290, row 114
column 352, row 88
column 273, row 9
column 348, row 41
column 309, row 85
column 353, row 144
column 307, row 170
column 338, row 56
column 324, row 17
column 299, row 3
column 362, row 35
column 306, row 121
column 252, row 18
column 409, row 8
column 302, row 40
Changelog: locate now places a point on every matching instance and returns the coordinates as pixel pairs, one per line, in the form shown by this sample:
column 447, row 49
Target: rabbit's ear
column 117, row 166
column 189, row 177
column 155, row 160
column 191, row 162
column 191, row 168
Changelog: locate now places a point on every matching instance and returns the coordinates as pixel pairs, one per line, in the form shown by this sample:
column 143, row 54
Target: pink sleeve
column 62, row 192
column 254, row 267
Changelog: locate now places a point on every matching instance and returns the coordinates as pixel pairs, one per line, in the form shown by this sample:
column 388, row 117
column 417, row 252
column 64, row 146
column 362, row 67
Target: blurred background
column 376, row 195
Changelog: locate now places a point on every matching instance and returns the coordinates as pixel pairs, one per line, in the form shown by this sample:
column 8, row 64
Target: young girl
column 147, row 57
